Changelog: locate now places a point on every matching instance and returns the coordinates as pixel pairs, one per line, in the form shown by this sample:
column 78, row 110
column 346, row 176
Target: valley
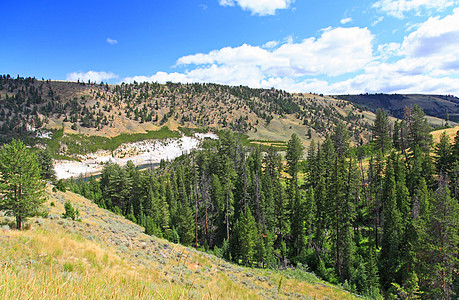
column 144, row 154
column 307, row 187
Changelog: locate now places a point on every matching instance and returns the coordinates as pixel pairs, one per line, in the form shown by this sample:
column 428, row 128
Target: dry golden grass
column 105, row 256
column 451, row 132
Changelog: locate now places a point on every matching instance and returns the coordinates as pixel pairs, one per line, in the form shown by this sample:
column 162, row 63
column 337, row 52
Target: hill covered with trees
column 28, row 104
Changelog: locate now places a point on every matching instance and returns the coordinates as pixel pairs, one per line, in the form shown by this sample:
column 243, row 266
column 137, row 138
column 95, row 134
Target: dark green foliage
column 45, row 161
column 21, row 188
column 61, row 186
column 293, row 156
column 381, row 132
column 443, row 154
column 442, row 243
column 70, row 211
column 340, row 138
column 387, row 229
column 417, row 129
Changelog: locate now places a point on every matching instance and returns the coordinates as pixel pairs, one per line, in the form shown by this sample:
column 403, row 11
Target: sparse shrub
column 70, row 212
column 61, row 186
column 68, row 267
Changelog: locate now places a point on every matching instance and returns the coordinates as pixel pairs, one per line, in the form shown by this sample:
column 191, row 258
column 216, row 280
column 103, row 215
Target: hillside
column 27, row 105
column 433, row 105
column 107, row 256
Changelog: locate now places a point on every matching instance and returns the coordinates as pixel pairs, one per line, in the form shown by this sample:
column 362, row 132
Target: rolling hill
column 28, row 104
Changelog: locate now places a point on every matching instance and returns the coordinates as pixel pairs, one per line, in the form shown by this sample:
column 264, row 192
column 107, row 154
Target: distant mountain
column 433, row 105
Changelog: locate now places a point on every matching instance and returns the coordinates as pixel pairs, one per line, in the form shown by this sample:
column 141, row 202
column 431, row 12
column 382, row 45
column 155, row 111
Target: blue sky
column 331, row 47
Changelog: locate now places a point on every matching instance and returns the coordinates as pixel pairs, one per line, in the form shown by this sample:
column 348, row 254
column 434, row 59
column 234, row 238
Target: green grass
column 277, row 145
column 191, row 131
column 247, row 142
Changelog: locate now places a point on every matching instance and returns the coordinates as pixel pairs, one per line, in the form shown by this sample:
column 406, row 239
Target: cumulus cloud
column 270, row 44
column 91, row 75
column 436, row 41
column 226, row 2
column 259, row 7
column 337, row 51
column 339, row 61
column 398, row 8
column 389, row 50
column 112, row 41
column 346, row 20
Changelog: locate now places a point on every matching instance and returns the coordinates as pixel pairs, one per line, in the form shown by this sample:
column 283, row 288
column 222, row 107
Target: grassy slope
column 451, row 132
column 106, row 256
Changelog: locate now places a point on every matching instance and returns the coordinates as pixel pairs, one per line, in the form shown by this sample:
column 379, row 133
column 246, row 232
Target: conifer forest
column 381, row 219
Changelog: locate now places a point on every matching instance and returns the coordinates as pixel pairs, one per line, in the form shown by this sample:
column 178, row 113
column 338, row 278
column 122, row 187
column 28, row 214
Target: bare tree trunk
column 227, row 216
column 18, row 222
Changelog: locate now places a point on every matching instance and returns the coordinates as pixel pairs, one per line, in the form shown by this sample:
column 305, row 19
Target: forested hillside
column 28, row 104
column 380, row 219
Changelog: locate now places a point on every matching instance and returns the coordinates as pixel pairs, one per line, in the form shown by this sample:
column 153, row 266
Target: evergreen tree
column 21, row 188
column 185, row 220
column 455, row 148
column 45, row 161
column 442, row 243
column 418, row 129
column 340, row 139
column 293, row 156
column 246, row 238
column 443, row 154
column 381, row 131
column 392, row 233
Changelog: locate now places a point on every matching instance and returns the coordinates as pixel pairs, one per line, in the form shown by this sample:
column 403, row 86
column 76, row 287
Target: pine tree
column 443, row 154
column 381, row 131
column 293, row 156
column 45, row 161
column 442, row 243
column 418, row 129
column 392, row 233
column 185, row 220
column 455, row 148
column 21, row 188
column 246, row 238
column 340, row 139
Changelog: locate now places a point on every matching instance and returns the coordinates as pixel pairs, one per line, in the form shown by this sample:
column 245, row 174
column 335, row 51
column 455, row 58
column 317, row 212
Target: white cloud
column 229, row 75
column 337, row 51
column 270, row 44
column 398, row 8
column 259, row 7
column 112, row 41
column 91, row 75
column 427, row 61
column 436, row 41
column 346, row 20
column 288, row 39
column 377, row 21
column 389, row 50
column 226, row 2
